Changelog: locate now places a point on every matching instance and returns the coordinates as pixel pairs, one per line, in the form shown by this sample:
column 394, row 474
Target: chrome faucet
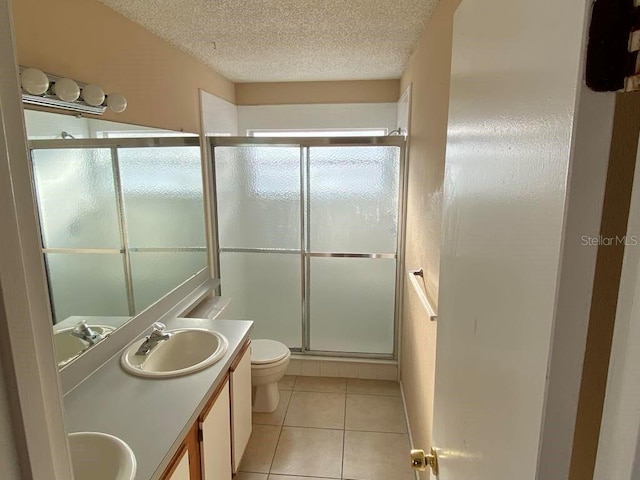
column 84, row 332
column 157, row 335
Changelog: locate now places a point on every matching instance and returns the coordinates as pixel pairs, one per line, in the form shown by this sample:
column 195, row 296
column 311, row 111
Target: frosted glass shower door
column 163, row 207
column 258, row 192
column 353, row 199
column 308, row 240
column 77, row 207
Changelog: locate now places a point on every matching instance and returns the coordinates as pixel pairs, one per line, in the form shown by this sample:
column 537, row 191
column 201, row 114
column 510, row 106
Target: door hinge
column 200, row 433
column 614, row 41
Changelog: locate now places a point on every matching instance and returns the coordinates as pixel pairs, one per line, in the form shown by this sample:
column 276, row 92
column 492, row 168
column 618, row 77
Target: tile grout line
column 344, row 436
column 280, row 434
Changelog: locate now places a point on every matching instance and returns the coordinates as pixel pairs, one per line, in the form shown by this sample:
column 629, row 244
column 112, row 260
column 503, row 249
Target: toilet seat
column 267, row 352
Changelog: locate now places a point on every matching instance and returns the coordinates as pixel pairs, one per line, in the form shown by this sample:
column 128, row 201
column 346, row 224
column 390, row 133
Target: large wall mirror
column 122, row 219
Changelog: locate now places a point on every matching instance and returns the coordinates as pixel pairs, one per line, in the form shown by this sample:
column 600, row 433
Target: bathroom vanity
column 192, row 427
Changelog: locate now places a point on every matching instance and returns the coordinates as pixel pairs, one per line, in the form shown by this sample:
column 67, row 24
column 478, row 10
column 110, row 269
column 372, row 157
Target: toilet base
column 266, row 398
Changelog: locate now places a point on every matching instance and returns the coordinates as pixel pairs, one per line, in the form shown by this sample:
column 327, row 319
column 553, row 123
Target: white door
column 527, row 153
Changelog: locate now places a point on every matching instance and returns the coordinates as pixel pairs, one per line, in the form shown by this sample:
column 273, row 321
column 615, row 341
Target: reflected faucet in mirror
column 84, row 332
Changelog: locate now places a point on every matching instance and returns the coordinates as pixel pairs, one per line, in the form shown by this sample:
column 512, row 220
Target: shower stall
column 309, row 235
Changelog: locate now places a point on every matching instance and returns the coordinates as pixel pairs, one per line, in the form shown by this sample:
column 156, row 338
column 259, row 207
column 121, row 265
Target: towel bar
column 421, row 293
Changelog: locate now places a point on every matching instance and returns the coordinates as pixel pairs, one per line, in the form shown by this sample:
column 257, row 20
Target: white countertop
column 151, row 415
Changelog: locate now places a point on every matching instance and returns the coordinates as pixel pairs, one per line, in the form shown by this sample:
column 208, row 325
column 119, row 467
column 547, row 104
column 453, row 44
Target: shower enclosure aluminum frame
column 113, row 144
column 305, row 255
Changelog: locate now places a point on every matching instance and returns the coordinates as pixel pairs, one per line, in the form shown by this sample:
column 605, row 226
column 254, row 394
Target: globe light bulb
column 66, row 89
column 116, row 102
column 93, row 95
column 34, row 81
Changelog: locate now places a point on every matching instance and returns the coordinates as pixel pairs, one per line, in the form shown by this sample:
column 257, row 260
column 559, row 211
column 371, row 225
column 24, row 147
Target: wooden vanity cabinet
column 214, row 446
column 186, row 463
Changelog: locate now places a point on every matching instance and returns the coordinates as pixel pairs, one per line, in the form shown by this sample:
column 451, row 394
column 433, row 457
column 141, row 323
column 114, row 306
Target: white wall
column 219, row 117
column 317, row 116
column 403, row 114
column 48, row 125
column 45, row 125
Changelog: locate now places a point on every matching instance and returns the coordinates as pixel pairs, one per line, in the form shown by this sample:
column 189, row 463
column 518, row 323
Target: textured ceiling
column 288, row 40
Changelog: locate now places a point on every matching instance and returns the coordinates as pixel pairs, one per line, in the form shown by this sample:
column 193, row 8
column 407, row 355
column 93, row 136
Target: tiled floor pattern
column 330, row 428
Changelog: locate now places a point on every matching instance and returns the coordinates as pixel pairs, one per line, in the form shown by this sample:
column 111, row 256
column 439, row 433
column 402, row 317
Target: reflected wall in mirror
column 122, row 221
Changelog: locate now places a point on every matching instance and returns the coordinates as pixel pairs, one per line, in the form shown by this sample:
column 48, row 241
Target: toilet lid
column 267, row 351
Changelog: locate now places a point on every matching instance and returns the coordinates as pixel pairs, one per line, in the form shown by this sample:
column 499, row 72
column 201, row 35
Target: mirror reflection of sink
column 186, row 351
column 99, row 456
column 68, row 346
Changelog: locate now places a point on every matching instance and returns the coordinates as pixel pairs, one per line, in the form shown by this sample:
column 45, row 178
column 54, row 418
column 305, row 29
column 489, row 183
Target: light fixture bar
column 53, row 102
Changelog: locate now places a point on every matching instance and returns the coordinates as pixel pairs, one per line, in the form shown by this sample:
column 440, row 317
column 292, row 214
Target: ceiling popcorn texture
column 288, row 40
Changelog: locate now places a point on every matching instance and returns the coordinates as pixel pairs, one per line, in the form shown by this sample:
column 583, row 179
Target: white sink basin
column 99, row 456
column 187, row 351
column 69, row 347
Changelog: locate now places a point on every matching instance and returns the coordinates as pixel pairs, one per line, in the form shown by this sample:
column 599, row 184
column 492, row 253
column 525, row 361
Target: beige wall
column 429, row 73
column 282, row 93
column 91, row 43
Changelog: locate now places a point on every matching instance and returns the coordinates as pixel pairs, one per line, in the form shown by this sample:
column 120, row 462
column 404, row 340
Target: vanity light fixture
column 47, row 90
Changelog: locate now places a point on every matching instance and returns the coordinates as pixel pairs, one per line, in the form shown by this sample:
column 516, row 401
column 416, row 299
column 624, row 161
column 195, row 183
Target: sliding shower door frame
column 304, row 143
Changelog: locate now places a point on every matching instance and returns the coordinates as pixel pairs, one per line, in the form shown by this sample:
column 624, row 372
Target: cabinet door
column 216, row 438
column 241, row 405
column 181, row 469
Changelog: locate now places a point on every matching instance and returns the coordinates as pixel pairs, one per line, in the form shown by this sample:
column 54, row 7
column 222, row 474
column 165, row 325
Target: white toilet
column 269, row 361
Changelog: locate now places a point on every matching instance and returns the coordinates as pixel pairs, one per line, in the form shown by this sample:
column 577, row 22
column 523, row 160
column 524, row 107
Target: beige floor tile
column 320, row 384
column 309, row 452
column 315, row 409
column 251, row 476
column 375, row 413
column 287, row 382
column 259, row 453
column 276, row 417
column 376, row 456
column 373, row 387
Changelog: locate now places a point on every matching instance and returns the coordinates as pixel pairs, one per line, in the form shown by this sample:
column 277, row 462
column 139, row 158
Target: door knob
column 421, row 460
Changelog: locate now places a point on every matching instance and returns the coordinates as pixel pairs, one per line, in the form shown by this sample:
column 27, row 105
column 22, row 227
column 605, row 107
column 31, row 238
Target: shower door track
column 305, row 252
